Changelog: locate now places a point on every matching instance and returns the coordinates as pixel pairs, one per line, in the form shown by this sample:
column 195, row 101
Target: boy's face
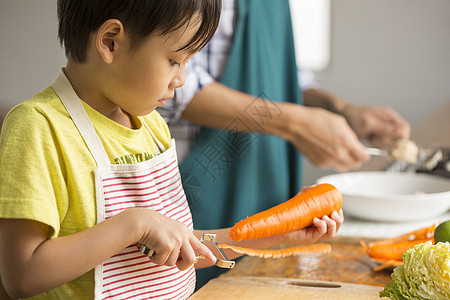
column 143, row 79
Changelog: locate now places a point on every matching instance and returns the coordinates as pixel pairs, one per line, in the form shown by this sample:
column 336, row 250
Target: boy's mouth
column 163, row 101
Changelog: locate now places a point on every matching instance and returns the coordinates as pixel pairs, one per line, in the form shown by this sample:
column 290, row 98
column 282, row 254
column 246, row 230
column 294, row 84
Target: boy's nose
column 178, row 80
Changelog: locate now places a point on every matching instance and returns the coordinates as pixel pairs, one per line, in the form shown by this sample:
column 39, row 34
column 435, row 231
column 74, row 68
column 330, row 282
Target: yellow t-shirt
column 48, row 172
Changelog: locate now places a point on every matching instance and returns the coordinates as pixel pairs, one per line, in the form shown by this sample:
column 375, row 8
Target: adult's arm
column 376, row 124
column 323, row 137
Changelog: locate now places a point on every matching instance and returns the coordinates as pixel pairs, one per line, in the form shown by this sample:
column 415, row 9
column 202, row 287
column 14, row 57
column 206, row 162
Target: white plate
column 389, row 196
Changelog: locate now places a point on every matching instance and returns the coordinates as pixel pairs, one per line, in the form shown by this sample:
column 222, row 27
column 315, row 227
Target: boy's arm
column 31, row 264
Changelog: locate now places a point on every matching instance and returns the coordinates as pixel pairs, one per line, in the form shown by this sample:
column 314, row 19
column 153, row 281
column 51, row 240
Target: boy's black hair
column 78, row 19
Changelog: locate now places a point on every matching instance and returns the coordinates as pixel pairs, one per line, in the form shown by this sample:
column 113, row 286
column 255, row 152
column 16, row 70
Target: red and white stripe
column 129, row 274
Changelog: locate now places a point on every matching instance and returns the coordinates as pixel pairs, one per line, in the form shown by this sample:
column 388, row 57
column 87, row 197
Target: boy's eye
column 174, row 63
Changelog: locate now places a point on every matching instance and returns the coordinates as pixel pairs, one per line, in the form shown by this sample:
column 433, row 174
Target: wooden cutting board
column 258, row 288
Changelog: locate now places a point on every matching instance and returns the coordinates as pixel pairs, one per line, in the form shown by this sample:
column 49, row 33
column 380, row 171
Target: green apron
column 227, row 175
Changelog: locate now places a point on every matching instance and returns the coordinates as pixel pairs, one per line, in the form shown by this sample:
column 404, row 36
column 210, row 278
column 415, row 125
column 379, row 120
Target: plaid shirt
column 202, row 69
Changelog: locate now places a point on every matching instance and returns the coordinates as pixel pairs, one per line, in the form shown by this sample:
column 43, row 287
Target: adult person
column 246, row 81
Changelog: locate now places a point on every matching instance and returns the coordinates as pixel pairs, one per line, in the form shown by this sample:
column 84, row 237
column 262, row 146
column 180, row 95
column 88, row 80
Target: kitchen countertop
column 345, row 273
column 381, row 230
column 345, row 263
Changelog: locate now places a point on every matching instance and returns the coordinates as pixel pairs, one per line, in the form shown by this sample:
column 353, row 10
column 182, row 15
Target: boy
column 88, row 167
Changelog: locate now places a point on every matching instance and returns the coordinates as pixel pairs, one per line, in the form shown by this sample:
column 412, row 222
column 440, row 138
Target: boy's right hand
column 172, row 241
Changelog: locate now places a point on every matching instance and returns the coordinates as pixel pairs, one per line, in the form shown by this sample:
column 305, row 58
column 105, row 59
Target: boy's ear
column 109, row 39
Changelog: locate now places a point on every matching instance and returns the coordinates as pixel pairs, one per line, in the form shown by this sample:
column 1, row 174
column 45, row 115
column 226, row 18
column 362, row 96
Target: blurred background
column 374, row 52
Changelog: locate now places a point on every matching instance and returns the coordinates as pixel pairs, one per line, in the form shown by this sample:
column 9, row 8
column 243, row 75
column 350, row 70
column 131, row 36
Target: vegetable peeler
column 224, row 263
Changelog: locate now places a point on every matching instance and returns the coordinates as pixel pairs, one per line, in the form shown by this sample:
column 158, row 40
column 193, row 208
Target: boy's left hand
column 324, row 228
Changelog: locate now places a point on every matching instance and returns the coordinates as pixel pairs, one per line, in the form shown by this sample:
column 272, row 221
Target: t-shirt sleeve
column 32, row 182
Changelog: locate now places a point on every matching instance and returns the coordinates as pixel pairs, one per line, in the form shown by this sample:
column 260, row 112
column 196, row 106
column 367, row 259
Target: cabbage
column 425, row 274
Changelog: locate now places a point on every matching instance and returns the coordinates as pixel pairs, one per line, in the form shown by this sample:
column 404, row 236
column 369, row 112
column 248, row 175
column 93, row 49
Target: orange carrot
column 393, row 248
column 425, row 233
column 393, row 251
column 296, row 213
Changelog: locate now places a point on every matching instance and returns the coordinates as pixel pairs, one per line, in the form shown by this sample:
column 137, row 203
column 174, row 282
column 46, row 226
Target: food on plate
column 424, row 275
column 278, row 253
column 442, row 232
column 388, row 252
column 405, row 150
column 296, row 213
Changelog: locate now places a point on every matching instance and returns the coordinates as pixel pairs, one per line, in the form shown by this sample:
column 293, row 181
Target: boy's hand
column 324, row 228
column 172, row 242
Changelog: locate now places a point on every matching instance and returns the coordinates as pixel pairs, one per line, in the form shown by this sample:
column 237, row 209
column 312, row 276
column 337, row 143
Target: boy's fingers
column 173, row 258
column 202, row 250
column 159, row 257
column 331, row 226
column 186, row 258
column 338, row 218
column 320, row 225
column 165, row 254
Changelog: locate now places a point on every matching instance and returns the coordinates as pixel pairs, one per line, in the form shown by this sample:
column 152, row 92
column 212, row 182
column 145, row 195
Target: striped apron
column 153, row 184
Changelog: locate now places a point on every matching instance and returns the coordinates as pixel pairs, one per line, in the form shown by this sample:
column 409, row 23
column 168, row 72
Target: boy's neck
column 87, row 86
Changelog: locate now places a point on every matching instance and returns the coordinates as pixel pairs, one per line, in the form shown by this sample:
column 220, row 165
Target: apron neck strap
column 159, row 145
column 69, row 98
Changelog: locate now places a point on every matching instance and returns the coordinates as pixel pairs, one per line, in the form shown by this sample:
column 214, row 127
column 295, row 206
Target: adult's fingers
column 388, row 125
column 349, row 152
column 351, row 157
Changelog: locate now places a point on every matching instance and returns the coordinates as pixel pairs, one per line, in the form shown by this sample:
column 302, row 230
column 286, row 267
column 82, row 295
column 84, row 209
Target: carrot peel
column 279, row 253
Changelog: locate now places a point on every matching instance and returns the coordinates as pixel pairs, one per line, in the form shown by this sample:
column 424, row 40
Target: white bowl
column 393, row 197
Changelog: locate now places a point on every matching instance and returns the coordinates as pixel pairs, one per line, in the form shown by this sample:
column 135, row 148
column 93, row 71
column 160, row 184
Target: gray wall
column 383, row 52
column 30, row 54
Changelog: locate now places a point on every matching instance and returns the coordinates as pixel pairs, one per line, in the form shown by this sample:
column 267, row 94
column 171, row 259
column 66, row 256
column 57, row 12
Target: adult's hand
column 379, row 125
column 325, row 138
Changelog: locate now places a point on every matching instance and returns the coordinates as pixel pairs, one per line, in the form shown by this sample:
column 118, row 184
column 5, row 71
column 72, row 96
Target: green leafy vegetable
column 425, row 274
